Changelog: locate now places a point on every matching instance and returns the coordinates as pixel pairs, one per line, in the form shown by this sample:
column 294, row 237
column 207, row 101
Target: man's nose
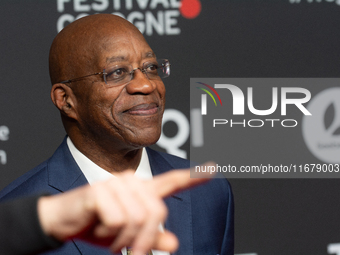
column 140, row 83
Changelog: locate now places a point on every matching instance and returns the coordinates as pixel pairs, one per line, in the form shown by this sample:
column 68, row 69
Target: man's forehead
column 124, row 47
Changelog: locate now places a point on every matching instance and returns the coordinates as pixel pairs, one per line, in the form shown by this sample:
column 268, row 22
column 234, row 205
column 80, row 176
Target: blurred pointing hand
column 119, row 212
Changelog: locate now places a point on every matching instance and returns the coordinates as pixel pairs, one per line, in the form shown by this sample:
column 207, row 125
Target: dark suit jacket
column 202, row 218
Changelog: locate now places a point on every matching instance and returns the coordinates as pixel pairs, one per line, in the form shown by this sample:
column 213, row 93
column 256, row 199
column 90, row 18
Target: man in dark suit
column 107, row 85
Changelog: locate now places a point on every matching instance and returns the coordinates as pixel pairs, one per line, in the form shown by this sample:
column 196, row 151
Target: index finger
column 177, row 180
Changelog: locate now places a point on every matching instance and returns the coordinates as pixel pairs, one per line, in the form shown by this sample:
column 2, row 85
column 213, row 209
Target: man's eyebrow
column 150, row 54
column 115, row 59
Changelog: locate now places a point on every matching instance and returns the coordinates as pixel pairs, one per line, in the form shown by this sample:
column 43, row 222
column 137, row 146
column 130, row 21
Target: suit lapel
column 180, row 218
column 63, row 172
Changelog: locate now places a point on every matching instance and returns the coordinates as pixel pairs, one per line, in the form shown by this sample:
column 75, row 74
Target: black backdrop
column 230, row 38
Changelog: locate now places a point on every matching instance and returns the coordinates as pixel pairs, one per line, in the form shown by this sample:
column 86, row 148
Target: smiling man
column 107, row 86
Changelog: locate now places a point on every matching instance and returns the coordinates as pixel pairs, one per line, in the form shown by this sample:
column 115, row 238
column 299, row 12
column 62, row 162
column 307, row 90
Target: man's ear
column 63, row 98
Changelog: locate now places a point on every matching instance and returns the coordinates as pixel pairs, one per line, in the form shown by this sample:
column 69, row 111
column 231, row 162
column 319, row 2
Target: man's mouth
column 143, row 109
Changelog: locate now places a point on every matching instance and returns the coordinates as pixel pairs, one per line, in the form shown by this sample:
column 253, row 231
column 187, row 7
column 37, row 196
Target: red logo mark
column 190, row 9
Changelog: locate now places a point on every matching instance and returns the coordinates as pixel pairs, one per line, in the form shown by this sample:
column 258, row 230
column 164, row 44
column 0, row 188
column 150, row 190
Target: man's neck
column 114, row 160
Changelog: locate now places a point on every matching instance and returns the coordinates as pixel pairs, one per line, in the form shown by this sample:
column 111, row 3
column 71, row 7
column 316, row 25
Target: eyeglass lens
column 123, row 73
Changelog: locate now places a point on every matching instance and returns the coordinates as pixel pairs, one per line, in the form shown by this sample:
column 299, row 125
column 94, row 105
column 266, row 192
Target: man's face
column 125, row 116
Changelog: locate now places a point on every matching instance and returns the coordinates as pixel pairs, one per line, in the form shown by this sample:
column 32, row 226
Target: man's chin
column 144, row 140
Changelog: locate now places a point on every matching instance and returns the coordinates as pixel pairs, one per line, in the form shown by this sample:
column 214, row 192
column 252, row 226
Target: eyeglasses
column 123, row 73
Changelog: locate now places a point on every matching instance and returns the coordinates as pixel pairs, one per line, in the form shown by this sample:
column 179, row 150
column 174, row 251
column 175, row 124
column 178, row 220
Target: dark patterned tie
column 129, row 251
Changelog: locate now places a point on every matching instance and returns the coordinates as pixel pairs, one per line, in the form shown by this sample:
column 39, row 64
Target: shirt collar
column 94, row 173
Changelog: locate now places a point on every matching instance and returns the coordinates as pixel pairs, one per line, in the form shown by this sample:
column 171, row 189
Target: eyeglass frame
column 131, row 73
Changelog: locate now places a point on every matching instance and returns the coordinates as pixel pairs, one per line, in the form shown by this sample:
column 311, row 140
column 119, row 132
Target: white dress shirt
column 94, row 173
